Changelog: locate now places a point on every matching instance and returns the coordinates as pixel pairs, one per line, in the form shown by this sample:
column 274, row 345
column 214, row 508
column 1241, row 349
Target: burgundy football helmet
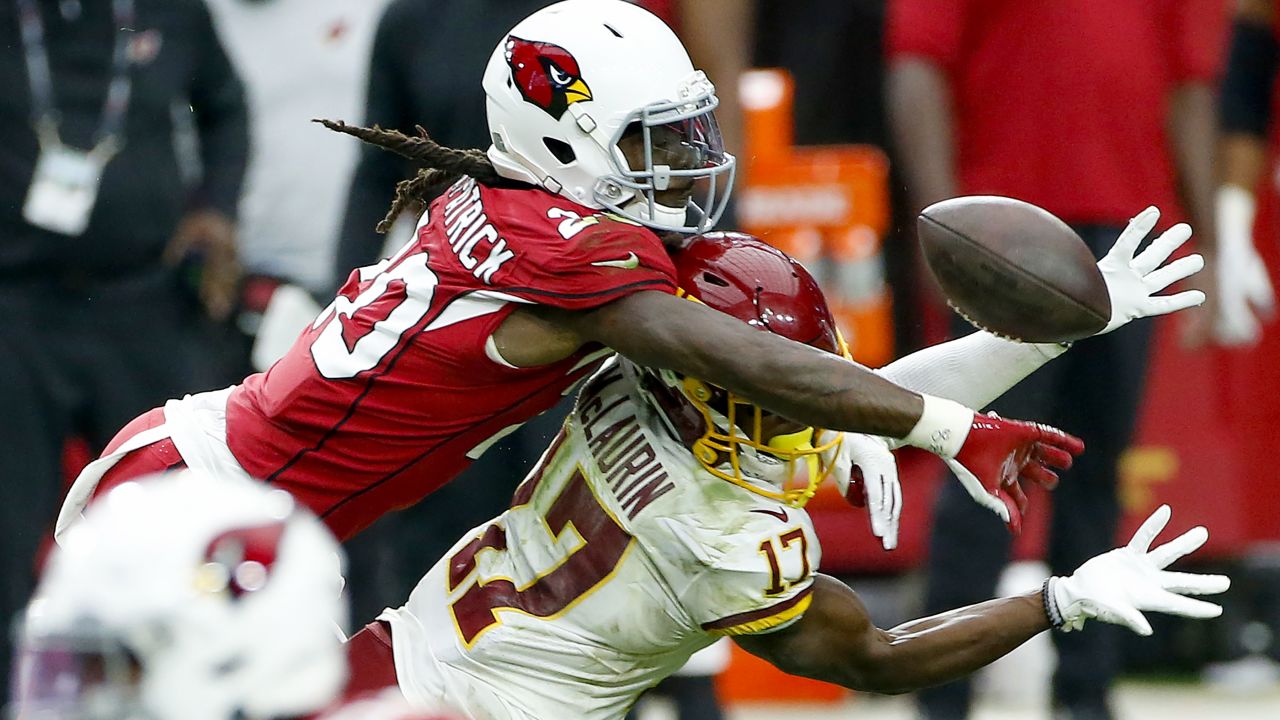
column 733, row 439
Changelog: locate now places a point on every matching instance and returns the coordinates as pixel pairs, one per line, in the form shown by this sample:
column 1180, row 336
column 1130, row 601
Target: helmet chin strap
column 664, row 214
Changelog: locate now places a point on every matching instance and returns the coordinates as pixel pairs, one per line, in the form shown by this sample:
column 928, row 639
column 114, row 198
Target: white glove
column 878, row 487
column 1117, row 586
column 1244, row 290
column 1132, row 282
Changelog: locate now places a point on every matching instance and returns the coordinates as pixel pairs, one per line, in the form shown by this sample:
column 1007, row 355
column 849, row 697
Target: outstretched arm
column 835, row 640
column 817, row 388
column 824, row 390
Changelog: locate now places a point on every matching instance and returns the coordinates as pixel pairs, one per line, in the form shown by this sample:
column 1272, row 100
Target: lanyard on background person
column 64, row 186
column 44, row 113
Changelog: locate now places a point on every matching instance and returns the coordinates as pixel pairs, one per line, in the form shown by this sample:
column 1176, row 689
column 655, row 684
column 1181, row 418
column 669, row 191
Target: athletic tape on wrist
column 942, row 428
column 1051, row 610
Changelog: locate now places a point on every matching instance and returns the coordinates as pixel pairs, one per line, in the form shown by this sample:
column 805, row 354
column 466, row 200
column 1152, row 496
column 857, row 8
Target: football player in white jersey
column 192, row 597
column 661, row 518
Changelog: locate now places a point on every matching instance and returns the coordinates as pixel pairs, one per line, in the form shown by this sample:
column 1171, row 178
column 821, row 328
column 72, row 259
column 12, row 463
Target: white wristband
column 942, row 428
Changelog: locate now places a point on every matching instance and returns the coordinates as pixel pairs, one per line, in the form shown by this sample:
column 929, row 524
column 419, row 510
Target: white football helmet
column 185, row 597
column 570, row 82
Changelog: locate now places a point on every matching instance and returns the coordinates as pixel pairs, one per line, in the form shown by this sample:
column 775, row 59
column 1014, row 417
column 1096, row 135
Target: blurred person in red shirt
column 1092, row 111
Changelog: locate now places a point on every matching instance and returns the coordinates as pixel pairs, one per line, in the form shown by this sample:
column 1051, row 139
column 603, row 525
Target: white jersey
column 619, row 557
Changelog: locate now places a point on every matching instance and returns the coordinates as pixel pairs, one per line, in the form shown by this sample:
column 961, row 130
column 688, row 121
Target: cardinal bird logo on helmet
column 547, row 75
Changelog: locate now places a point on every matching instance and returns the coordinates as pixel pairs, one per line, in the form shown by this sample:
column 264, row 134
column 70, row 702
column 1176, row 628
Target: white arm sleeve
column 973, row 370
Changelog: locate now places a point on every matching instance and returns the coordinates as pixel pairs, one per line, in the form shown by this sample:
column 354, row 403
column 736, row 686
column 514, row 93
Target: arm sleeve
column 1245, row 99
column 221, row 118
column 373, row 185
column 931, row 29
column 757, row 579
column 606, row 262
column 973, row 370
column 1197, row 33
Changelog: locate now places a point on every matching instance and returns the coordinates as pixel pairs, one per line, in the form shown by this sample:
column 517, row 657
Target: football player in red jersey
column 540, row 260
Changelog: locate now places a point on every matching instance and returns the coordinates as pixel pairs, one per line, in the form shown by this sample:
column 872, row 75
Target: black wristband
column 1050, row 606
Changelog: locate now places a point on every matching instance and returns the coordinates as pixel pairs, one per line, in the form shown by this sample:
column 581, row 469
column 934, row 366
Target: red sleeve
column 931, row 29
column 1199, row 30
column 601, row 263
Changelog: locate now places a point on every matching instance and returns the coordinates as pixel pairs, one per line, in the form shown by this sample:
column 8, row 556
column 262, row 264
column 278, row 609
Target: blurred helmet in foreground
column 185, row 597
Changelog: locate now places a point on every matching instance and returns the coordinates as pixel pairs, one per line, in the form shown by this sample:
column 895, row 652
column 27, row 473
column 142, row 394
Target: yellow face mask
column 717, row 445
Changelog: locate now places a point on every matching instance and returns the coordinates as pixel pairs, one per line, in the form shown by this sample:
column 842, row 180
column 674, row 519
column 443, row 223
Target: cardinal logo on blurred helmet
column 546, row 75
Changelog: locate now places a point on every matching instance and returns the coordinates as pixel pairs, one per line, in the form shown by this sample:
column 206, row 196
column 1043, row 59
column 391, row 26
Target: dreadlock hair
column 441, row 166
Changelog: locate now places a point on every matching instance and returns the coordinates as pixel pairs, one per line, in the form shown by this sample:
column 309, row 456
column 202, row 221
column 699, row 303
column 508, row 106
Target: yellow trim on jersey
column 497, row 611
column 768, row 623
column 500, row 610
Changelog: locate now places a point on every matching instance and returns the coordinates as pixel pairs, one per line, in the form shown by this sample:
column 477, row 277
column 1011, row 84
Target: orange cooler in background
column 826, row 206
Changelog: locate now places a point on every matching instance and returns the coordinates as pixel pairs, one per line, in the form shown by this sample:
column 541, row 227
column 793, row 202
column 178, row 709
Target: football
column 1014, row 269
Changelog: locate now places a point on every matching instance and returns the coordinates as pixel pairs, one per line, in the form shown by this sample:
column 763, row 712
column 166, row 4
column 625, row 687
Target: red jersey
column 395, row 388
column 1064, row 103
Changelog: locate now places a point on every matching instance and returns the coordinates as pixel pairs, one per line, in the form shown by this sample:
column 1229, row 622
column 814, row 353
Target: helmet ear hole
column 715, row 279
column 562, row 150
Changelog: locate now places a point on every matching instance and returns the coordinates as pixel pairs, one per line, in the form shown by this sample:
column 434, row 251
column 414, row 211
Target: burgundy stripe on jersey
column 725, row 623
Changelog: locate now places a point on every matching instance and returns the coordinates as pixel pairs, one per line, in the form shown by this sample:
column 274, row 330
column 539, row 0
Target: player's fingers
column 1161, row 248
column 1179, row 269
column 1135, row 231
column 897, row 503
column 1185, row 544
column 1165, row 304
column 1173, row 604
column 1194, row 583
column 1040, row 475
column 1013, row 515
column 1053, row 456
column 1055, row 438
column 1131, row 618
column 1014, row 490
column 1150, row 528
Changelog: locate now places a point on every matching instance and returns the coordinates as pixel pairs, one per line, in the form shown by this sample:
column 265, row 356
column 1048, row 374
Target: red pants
column 157, row 457
column 370, row 660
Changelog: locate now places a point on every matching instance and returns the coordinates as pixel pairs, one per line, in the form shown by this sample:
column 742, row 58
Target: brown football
column 1014, row 269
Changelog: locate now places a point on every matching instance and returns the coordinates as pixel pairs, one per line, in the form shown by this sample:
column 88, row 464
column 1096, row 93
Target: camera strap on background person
column 65, row 185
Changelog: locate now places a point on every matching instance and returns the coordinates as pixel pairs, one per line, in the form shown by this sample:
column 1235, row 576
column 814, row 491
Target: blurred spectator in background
column 97, row 325
column 1248, row 98
column 1093, row 111
column 298, row 59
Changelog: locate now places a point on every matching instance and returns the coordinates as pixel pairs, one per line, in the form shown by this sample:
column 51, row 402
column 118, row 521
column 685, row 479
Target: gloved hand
column 866, row 474
column 1132, row 282
column 1244, row 293
column 991, row 456
column 1117, row 586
